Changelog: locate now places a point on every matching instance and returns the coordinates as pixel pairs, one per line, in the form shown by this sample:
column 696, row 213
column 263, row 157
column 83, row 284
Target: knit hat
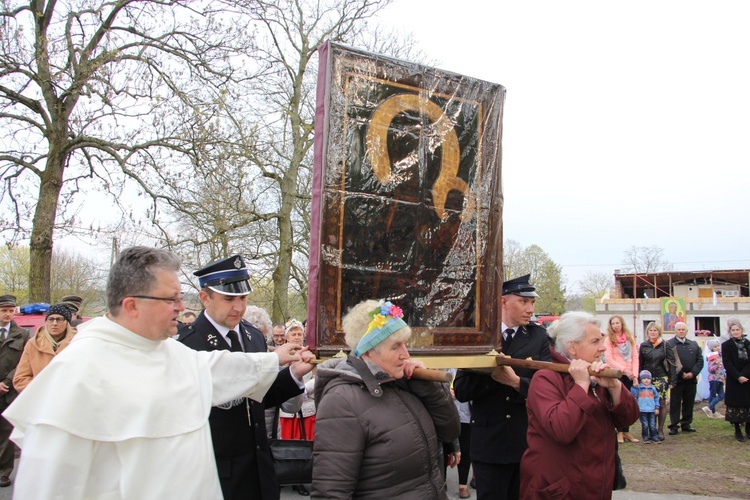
column 713, row 343
column 644, row 374
column 60, row 309
column 386, row 319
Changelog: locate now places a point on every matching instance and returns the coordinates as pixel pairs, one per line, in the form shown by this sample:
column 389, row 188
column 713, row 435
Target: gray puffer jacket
column 377, row 437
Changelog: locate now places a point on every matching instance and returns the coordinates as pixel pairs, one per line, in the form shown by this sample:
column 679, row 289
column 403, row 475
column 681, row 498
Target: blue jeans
column 648, row 426
column 716, row 394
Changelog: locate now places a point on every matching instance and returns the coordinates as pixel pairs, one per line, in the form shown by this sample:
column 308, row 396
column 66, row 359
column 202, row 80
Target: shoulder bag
column 292, row 458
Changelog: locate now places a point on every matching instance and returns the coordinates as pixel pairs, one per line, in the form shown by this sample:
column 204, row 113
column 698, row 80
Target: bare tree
column 592, row 287
column 265, row 165
column 512, row 251
column 289, row 33
column 76, row 274
column 96, row 92
column 645, row 260
column 595, row 284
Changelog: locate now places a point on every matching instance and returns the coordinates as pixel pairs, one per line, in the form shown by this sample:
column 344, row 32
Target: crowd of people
column 138, row 404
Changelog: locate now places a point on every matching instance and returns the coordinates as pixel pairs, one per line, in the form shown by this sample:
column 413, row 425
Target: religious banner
column 673, row 312
column 406, row 201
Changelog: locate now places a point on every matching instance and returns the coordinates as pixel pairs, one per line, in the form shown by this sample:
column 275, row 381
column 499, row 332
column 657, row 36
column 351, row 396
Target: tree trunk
column 281, row 274
column 40, row 248
column 301, row 144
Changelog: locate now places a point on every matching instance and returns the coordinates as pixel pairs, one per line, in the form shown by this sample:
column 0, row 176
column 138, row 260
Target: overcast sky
column 625, row 123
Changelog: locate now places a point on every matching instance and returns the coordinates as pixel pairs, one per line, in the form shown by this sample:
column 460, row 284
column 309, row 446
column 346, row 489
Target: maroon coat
column 571, row 437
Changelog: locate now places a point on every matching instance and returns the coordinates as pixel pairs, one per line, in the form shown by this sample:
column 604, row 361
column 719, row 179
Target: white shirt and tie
column 231, row 335
column 508, row 334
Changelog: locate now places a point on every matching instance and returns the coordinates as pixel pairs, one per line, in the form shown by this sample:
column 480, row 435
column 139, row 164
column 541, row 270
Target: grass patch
column 708, row 462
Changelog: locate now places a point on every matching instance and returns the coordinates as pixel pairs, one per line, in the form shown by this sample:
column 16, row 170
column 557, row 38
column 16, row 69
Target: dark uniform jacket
column 10, row 354
column 237, row 440
column 498, row 412
column 684, row 357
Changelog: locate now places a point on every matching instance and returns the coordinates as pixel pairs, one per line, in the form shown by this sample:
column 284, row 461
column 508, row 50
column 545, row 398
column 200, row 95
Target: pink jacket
column 614, row 359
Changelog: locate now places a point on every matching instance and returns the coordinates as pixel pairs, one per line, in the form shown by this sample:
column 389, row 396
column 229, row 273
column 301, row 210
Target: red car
column 545, row 321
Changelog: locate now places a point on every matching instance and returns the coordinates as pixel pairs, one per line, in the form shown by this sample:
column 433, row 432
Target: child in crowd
column 648, row 403
column 717, row 375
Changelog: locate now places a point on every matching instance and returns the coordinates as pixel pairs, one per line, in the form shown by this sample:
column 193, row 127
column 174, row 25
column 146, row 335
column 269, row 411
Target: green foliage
column 72, row 274
column 546, row 275
column 14, row 272
column 645, row 260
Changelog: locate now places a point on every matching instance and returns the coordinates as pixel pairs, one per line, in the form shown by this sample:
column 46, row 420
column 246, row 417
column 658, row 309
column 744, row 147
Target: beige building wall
column 636, row 312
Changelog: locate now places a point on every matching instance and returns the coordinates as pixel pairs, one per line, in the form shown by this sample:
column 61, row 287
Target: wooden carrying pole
column 419, row 373
column 485, row 363
column 432, row 375
column 488, row 362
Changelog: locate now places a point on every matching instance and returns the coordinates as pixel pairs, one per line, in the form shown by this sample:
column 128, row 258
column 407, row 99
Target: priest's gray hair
column 134, row 273
column 572, row 328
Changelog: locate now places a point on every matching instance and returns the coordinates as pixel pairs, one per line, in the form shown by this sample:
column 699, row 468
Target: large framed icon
column 407, row 200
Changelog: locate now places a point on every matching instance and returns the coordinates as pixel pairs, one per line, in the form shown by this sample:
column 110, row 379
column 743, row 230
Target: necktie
column 236, row 347
column 2, row 333
column 508, row 340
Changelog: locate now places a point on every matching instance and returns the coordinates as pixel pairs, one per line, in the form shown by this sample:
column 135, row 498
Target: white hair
column 260, row 319
column 552, row 329
column 572, row 328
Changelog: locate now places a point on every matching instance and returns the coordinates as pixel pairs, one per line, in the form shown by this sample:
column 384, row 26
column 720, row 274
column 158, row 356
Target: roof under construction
column 634, row 285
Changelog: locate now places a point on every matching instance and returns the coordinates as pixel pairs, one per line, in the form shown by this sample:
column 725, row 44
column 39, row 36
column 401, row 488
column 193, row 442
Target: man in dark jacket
column 685, row 363
column 13, row 338
column 238, row 429
column 498, row 414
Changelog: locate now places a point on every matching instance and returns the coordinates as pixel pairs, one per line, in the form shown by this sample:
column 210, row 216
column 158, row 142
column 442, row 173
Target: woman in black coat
column 735, row 353
column 652, row 356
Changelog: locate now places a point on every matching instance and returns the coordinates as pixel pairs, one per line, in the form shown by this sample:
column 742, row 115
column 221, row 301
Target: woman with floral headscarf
column 377, row 432
column 50, row 339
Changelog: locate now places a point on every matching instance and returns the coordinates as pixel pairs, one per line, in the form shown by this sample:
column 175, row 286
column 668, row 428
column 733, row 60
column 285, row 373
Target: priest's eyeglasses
column 170, row 300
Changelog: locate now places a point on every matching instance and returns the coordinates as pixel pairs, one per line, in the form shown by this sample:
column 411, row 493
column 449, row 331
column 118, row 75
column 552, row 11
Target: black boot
column 738, row 433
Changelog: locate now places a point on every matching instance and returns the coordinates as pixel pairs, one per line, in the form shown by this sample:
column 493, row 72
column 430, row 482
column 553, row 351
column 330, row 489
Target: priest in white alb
column 122, row 413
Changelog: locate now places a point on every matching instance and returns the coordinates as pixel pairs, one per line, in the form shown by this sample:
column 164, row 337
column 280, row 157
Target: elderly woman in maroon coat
column 572, row 419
